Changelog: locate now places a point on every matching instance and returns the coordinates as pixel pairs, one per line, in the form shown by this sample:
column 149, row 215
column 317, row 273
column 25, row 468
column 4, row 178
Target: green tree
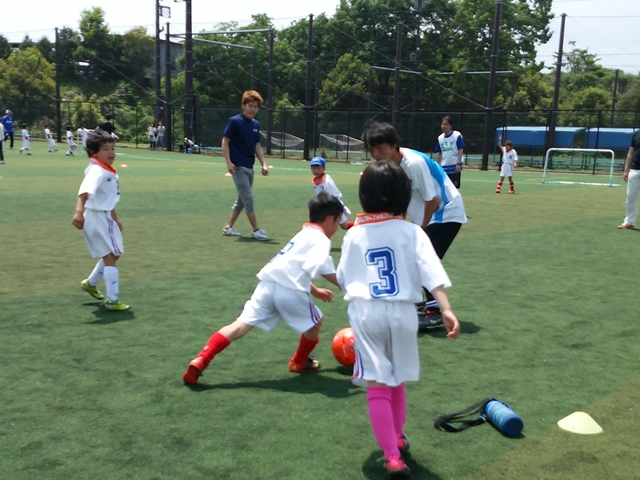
column 5, row 47
column 346, row 85
column 137, row 53
column 68, row 41
column 27, row 84
column 46, row 48
column 98, row 47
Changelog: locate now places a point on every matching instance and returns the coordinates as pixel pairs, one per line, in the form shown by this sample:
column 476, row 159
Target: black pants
column 441, row 236
column 1, row 152
column 10, row 135
column 455, row 178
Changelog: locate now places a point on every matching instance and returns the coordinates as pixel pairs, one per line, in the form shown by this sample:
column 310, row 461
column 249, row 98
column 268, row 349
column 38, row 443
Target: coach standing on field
column 7, row 123
column 240, row 145
column 632, row 177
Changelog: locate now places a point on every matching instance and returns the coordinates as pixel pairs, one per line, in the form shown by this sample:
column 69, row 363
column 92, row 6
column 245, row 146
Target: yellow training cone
column 227, row 174
column 580, row 423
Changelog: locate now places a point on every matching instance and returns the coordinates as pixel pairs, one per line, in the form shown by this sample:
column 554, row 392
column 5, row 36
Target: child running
column 283, row 291
column 509, row 161
column 385, row 260
column 49, row 136
column 70, row 142
column 322, row 182
column 26, row 140
column 95, row 215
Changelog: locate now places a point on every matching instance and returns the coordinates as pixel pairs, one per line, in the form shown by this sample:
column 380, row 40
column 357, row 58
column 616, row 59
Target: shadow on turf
column 310, row 383
column 106, row 317
column 374, row 469
column 466, row 328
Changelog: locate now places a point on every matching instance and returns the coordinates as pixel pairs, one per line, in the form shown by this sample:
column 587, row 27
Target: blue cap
column 317, row 161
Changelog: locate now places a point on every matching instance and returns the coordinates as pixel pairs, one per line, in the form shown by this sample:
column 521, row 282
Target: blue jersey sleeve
column 437, row 148
column 460, row 143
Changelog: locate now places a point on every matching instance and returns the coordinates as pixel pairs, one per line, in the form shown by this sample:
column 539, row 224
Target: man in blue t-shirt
column 7, row 123
column 240, row 145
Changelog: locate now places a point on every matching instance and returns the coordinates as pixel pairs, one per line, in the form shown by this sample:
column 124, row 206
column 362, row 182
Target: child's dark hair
column 69, row 127
column 385, row 187
column 377, row 133
column 324, row 205
column 24, row 125
column 448, row 119
column 508, row 143
column 96, row 139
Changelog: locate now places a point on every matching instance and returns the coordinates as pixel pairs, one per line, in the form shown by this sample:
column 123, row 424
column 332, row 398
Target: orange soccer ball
column 343, row 347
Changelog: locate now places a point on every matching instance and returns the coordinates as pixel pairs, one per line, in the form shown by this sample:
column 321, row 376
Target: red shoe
column 396, row 467
column 403, row 443
column 625, row 226
column 195, row 369
column 498, row 190
column 309, row 365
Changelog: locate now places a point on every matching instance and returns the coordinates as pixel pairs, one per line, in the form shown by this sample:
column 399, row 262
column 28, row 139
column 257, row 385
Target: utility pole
column 308, row 129
column 58, row 100
column 487, row 142
column 189, row 117
column 270, row 93
column 157, row 62
column 396, row 76
column 553, row 121
column 167, row 92
column 615, row 98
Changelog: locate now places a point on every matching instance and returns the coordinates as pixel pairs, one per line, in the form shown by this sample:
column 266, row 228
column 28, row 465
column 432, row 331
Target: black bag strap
column 445, row 422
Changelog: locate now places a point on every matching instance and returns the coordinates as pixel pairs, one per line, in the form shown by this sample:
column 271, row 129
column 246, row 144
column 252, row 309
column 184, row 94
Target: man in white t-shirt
column 449, row 150
column 436, row 204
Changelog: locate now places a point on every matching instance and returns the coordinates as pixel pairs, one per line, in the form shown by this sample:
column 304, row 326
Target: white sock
column 97, row 273
column 111, row 279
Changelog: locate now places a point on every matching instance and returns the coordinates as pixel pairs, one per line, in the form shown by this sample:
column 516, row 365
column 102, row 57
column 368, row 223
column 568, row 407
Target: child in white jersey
column 509, row 161
column 82, row 136
column 95, row 215
column 384, row 263
column 49, row 136
column 26, row 139
column 322, row 182
column 70, row 142
column 284, row 291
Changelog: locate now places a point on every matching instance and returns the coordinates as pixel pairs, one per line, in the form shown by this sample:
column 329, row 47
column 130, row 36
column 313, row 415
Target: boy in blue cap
column 322, row 182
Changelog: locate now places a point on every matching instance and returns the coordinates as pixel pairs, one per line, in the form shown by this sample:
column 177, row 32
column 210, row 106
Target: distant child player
column 83, row 133
column 49, row 136
column 322, row 182
column 26, row 139
column 95, row 215
column 284, row 291
column 384, row 263
column 509, row 161
column 70, row 142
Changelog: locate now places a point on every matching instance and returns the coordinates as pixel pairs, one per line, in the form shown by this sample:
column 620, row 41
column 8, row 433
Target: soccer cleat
column 117, row 305
column 511, row 192
column 67, row 154
column 309, row 365
column 396, row 467
column 403, row 443
column 625, row 226
column 432, row 319
column 93, row 291
column 28, row 153
column 2, row 162
column 194, row 370
column 230, row 232
column 260, row 234
column 498, row 190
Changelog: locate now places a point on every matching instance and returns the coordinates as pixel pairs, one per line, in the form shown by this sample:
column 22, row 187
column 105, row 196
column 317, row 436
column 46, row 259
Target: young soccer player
column 70, row 142
column 385, row 260
column 82, row 133
column 52, row 143
column 95, row 215
column 509, row 162
column 284, row 291
column 322, row 182
column 26, row 139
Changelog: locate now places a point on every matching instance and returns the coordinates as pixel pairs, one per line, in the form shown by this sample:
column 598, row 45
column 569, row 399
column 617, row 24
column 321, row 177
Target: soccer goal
column 337, row 142
column 284, row 141
column 580, row 160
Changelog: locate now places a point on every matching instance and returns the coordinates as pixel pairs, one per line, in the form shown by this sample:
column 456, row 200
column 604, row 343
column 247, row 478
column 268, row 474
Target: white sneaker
column 230, row 232
column 260, row 234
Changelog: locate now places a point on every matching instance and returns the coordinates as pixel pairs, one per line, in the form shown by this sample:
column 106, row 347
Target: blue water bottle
column 503, row 418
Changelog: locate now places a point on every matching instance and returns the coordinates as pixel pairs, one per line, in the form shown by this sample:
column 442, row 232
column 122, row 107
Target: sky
column 609, row 29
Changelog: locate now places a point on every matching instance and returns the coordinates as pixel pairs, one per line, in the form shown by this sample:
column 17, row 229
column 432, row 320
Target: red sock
column 305, row 347
column 381, row 418
column 499, row 184
column 216, row 344
column 511, row 185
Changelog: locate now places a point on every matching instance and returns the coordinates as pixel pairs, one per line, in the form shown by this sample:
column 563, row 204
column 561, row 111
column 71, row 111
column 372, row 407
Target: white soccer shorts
column 506, row 170
column 386, row 342
column 271, row 302
column 102, row 234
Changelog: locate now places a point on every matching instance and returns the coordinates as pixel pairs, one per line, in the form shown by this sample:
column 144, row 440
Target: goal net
column 566, row 161
column 337, row 142
column 284, row 141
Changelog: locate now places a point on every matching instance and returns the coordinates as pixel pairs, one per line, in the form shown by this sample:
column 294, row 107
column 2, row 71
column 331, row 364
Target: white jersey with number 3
column 387, row 258
column 304, row 258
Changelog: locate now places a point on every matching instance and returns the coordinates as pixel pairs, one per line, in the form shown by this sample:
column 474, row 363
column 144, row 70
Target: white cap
column 8, row 112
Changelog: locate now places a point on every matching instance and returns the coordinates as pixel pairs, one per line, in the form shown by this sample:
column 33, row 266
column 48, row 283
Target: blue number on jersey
column 384, row 259
column 284, row 250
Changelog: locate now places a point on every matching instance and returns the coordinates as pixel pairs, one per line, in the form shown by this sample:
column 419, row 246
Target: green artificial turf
column 543, row 284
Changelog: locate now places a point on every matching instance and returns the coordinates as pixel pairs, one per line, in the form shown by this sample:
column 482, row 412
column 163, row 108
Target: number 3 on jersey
column 384, row 259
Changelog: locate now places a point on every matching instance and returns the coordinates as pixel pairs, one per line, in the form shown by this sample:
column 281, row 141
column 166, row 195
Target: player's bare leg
column 112, row 280
column 301, row 362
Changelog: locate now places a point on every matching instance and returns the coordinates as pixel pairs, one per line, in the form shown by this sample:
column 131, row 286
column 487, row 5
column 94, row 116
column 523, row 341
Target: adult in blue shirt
column 240, row 145
column 7, row 123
